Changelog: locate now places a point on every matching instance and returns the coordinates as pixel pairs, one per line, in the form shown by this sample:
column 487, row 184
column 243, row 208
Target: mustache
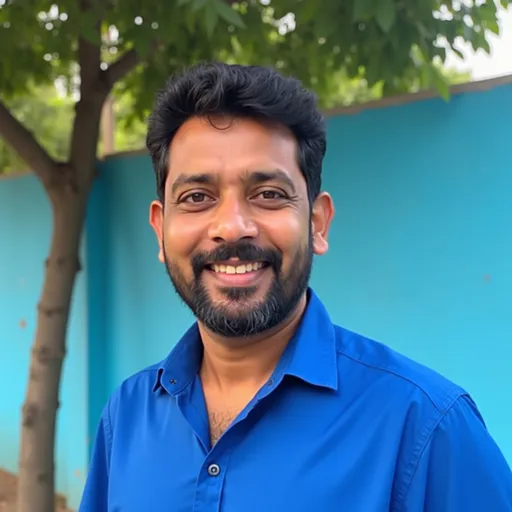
column 244, row 251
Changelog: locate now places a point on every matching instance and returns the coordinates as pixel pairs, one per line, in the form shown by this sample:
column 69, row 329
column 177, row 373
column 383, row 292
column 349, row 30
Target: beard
column 237, row 315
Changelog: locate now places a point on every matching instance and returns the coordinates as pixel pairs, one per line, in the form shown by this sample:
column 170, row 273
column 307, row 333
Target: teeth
column 238, row 269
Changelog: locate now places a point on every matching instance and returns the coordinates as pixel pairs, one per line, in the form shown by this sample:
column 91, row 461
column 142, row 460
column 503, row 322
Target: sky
column 483, row 66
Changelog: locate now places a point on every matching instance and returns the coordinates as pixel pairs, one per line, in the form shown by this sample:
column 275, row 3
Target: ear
column 321, row 216
column 156, row 219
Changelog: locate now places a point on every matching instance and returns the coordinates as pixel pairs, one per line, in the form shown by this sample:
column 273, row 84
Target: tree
column 43, row 108
column 48, row 112
column 97, row 47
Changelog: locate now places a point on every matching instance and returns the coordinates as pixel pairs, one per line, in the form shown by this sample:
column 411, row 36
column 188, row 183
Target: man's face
column 237, row 233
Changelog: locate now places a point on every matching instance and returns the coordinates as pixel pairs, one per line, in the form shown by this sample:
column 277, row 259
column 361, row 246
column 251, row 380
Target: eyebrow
column 191, row 179
column 257, row 177
column 276, row 175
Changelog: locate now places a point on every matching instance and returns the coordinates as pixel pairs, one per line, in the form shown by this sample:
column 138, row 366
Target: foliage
column 386, row 41
column 48, row 115
column 348, row 51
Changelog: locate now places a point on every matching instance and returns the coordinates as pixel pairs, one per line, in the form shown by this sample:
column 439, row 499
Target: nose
column 232, row 222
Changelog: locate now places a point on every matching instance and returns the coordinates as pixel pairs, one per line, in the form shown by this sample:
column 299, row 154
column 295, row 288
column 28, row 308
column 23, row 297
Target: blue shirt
column 343, row 424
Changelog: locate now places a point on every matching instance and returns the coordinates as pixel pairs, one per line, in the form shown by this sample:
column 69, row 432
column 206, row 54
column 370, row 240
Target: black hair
column 255, row 92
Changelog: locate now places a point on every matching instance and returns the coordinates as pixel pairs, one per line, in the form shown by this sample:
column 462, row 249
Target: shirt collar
column 311, row 353
column 309, row 356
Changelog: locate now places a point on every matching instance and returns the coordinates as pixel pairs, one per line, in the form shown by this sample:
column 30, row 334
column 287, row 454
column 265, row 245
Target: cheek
column 181, row 237
column 289, row 235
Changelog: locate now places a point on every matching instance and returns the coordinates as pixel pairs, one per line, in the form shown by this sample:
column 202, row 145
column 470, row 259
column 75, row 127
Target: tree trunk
column 36, row 478
column 68, row 187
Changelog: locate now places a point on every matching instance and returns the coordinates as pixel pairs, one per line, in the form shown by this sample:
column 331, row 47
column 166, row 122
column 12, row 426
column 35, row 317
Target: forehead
column 230, row 148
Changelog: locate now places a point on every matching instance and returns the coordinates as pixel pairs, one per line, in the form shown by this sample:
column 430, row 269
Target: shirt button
column 213, row 469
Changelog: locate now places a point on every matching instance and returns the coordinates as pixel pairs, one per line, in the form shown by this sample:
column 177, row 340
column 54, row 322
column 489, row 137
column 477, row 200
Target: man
column 264, row 404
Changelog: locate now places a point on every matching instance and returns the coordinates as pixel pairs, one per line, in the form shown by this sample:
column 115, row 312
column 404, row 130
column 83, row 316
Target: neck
column 246, row 361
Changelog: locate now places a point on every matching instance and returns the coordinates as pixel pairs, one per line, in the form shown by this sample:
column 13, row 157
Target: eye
column 271, row 194
column 195, row 197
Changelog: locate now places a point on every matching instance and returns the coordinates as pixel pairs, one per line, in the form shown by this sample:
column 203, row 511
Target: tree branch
column 120, row 68
column 89, row 53
column 89, row 59
column 27, row 147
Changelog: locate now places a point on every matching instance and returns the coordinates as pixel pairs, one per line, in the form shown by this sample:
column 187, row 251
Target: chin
column 240, row 295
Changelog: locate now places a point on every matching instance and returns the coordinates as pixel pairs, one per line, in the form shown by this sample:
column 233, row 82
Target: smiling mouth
column 239, row 268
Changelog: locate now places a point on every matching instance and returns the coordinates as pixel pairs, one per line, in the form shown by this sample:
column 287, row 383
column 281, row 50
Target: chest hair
column 220, row 420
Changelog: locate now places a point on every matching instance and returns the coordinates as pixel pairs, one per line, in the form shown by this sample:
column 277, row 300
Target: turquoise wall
column 422, row 243
column 419, row 259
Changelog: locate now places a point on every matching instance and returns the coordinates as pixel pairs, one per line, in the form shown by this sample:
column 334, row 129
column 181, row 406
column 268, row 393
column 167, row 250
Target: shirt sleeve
column 95, row 495
column 461, row 467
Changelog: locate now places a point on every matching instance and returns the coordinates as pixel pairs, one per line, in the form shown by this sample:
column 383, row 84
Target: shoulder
column 132, row 392
column 404, row 375
column 438, row 423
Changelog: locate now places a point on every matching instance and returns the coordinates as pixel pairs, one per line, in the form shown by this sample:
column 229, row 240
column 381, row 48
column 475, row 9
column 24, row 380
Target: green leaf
column 386, row 15
column 198, row 4
column 487, row 11
column 143, row 46
column 190, row 21
column 440, row 52
column 228, row 14
column 364, row 9
column 307, row 10
column 493, row 26
column 485, row 46
column 439, row 82
column 210, row 19
column 87, row 27
column 325, row 23
column 183, row 2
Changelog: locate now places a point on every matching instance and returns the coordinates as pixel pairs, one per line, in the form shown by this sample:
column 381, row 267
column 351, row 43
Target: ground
column 8, row 494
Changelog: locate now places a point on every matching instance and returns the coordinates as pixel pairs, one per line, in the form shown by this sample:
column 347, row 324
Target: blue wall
column 422, row 242
column 421, row 249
